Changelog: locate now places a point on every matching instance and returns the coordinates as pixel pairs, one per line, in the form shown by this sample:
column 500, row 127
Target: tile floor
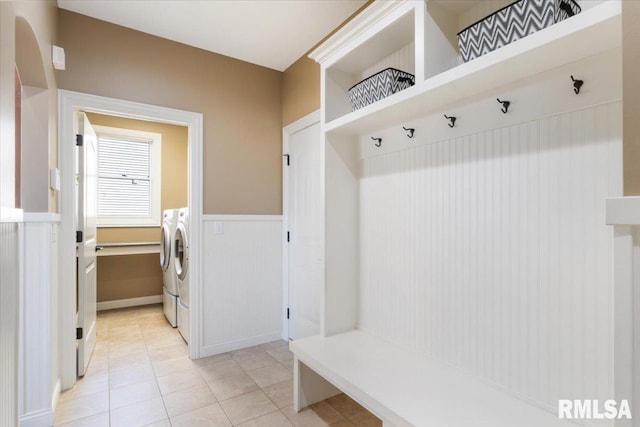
column 140, row 375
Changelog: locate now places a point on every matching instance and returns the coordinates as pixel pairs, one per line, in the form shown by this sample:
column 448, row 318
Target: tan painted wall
column 301, row 82
column 300, row 90
column 241, row 103
column 130, row 276
column 127, row 276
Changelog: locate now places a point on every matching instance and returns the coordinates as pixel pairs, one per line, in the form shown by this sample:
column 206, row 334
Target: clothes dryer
column 181, row 263
column 167, row 263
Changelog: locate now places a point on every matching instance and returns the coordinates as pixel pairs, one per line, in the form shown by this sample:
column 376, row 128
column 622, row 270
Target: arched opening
column 32, row 122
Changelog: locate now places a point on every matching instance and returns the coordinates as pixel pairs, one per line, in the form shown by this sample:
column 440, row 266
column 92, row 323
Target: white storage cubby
column 483, row 247
column 441, row 78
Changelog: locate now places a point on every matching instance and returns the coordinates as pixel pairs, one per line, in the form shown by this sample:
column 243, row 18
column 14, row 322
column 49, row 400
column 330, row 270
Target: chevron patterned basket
column 511, row 23
column 379, row 86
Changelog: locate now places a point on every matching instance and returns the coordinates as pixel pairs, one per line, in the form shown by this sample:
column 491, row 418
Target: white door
column 303, row 176
column 87, row 265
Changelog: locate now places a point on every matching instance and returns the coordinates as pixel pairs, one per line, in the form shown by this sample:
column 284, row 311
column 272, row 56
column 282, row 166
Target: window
column 128, row 178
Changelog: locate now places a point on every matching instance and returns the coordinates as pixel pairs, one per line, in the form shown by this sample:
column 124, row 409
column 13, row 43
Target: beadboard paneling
column 9, row 276
column 490, row 252
column 242, row 282
column 38, row 351
column 404, row 59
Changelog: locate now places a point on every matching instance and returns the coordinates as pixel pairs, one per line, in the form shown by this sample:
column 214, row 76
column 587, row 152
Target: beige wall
column 121, row 277
column 130, row 276
column 301, row 82
column 300, row 90
column 241, row 103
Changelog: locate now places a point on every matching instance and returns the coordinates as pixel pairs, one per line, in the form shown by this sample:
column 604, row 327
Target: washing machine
column 169, row 280
column 181, row 263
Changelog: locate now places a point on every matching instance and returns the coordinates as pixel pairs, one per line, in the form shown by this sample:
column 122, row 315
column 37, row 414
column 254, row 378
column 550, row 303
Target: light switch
column 58, row 57
column 54, row 179
column 218, row 227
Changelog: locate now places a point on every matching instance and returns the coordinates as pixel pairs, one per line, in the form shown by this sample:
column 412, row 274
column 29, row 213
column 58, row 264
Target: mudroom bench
column 402, row 388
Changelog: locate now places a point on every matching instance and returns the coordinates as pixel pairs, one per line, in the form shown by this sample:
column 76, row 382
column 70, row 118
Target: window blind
column 124, row 178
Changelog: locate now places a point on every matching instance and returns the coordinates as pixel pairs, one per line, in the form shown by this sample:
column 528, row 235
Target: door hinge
column 287, row 312
column 78, row 333
column 79, row 140
column 288, row 236
column 287, row 156
column 79, row 236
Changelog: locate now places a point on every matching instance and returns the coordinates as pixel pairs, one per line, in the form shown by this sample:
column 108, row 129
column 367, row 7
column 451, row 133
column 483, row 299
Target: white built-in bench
column 402, row 388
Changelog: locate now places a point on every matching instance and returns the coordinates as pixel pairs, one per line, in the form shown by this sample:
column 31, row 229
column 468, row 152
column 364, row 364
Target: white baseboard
column 37, row 419
column 129, row 302
column 240, row 344
column 56, row 394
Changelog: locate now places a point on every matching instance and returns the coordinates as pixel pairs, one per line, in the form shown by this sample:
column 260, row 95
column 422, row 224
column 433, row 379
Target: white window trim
column 156, row 177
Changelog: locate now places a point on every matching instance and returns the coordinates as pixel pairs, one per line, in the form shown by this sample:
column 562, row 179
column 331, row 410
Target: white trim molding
column 69, row 104
column 215, row 217
column 37, row 419
column 50, row 217
column 129, row 302
column 11, row 215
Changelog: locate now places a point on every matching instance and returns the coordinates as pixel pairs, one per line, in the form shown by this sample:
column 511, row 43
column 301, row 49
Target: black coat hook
column 577, row 84
column 505, row 105
column 379, row 141
column 410, row 130
column 452, row 119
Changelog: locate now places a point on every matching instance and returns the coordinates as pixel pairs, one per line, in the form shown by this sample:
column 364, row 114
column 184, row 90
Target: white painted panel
column 8, row 323
column 38, row 313
column 490, row 252
column 305, row 246
column 404, row 59
column 242, row 283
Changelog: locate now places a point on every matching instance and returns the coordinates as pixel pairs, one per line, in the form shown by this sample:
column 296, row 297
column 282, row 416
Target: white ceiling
column 271, row 33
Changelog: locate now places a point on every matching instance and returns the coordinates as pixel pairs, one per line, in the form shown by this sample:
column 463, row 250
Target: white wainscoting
column 9, row 278
column 38, row 343
column 624, row 214
column 490, row 252
column 242, row 281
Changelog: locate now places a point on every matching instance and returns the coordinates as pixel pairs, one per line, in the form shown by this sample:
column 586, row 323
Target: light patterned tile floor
column 140, row 375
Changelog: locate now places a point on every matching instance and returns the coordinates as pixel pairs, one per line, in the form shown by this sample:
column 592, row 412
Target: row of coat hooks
column 577, row 85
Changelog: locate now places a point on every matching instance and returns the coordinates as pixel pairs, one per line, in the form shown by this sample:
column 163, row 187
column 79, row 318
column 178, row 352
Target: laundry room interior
column 319, row 213
column 127, row 275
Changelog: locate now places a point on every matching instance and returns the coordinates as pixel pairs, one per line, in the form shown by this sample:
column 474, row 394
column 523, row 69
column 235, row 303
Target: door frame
column 69, row 103
column 287, row 131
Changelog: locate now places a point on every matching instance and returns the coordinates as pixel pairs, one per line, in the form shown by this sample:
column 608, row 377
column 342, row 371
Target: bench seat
column 402, row 388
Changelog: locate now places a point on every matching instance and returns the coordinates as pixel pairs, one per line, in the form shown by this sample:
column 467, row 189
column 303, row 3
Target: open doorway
column 71, row 105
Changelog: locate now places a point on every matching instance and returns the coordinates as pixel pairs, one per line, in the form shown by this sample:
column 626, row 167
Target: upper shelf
column 128, row 248
column 593, row 31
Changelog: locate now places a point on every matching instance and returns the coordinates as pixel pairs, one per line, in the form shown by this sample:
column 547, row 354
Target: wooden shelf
column 593, row 31
column 128, row 248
